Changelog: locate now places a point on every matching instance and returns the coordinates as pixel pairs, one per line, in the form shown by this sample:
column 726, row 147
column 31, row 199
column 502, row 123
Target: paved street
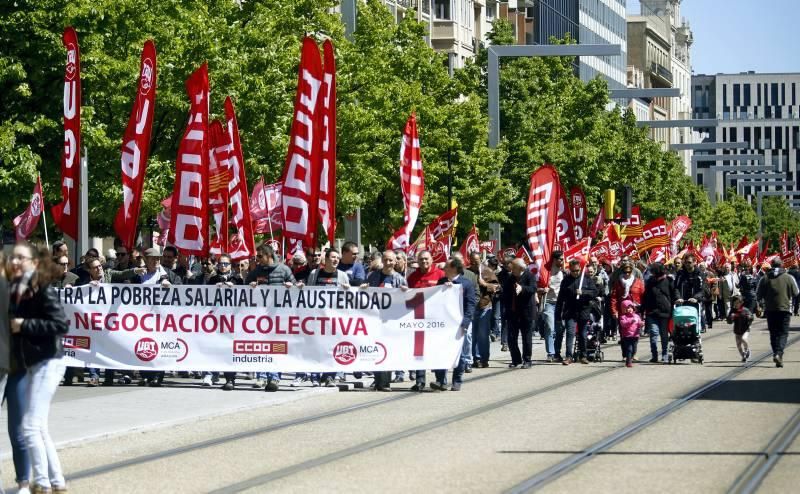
column 502, row 432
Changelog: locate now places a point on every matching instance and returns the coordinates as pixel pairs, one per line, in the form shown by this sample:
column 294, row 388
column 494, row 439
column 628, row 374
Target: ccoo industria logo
column 146, row 349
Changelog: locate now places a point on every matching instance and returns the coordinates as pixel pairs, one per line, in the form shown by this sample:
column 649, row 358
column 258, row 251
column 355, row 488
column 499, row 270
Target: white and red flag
column 237, row 190
column 136, row 148
column 219, row 176
column 680, row 225
column 327, row 179
column 188, row 226
column 580, row 251
column 489, row 246
column 412, row 183
column 580, row 217
column 598, row 224
column 301, row 171
column 654, row 234
column 266, row 208
column 444, row 224
column 470, row 244
column 632, row 227
column 541, row 217
column 65, row 213
column 26, row 223
column 564, row 227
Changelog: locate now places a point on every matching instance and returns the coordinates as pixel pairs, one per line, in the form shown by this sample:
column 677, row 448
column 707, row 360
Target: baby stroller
column 685, row 342
column 595, row 335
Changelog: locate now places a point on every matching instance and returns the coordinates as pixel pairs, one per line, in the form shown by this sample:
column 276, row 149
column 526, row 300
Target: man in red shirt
column 427, row 275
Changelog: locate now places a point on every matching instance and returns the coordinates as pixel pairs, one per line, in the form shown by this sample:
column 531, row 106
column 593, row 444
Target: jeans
column 269, row 376
column 657, row 326
column 582, row 328
column 497, row 320
column 16, row 394
column 778, row 325
column 43, row 379
column 482, row 322
column 515, row 328
column 629, row 347
column 458, row 372
column 551, row 329
column 466, row 347
column 560, row 330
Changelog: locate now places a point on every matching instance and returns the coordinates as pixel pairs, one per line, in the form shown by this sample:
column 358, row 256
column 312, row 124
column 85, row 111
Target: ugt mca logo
column 146, row 349
column 345, row 353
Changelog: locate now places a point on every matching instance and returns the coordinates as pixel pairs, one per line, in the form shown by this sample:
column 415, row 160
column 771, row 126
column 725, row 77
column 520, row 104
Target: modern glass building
column 589, row 22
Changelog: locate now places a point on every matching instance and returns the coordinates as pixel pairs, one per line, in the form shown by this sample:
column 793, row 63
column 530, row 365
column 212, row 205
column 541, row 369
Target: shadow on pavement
column 648, row 453
column 758, row 390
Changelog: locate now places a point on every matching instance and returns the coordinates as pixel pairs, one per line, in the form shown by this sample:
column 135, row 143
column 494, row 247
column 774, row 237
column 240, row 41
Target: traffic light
column 608, row 204
column 627, row 202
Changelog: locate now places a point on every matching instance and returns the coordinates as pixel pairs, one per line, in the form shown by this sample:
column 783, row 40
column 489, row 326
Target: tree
column 733, row 218
column 777, row 217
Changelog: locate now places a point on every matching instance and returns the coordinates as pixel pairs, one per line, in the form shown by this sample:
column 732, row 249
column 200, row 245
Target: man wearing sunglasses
column 224, row 276
column 68, row 278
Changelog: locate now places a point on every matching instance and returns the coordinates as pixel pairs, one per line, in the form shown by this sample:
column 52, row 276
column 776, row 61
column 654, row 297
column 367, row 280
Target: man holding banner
column 454, row 275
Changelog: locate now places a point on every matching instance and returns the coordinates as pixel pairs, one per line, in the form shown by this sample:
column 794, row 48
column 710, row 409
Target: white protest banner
column 262, row 329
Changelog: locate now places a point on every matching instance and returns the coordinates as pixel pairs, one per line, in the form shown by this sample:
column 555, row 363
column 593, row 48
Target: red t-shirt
column 418, row 279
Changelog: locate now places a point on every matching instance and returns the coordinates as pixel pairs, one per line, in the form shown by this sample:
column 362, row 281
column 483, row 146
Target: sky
column 732, row 36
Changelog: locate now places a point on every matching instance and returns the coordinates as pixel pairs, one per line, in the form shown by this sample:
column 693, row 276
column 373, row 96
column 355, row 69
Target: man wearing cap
column 155, row 274
column 777, row 289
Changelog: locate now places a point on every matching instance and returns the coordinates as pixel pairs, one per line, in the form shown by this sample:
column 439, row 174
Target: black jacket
column 747, row 286
column 659, row 297
column 44, row 325
column 520, row 307
column 469, row 299
column 225, row 278
column 569, row 305
column 690, row 285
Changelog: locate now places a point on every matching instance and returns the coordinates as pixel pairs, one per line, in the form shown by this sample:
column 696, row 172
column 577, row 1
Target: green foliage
column 733, row 218
column 777, row 217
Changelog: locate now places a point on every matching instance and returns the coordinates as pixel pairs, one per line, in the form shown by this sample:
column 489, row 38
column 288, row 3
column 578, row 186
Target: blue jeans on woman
column 482, row 322
column 16, row 396
column 657, row 326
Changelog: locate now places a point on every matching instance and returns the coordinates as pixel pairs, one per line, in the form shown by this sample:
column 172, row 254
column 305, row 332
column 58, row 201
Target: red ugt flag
column 65, row 213
column 136, row 148
column 327, row 179
column 25, row 223
column 543, row 198
column 188, row 225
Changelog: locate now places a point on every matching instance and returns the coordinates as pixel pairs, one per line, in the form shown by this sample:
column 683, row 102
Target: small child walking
column 741, row 318
column 629, row 325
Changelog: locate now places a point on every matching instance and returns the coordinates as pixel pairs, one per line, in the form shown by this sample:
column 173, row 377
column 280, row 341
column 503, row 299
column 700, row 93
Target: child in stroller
column 685, row 342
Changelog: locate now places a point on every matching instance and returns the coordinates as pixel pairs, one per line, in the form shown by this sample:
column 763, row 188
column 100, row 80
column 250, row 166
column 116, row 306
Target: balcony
column 659, row 71
column 444, row 30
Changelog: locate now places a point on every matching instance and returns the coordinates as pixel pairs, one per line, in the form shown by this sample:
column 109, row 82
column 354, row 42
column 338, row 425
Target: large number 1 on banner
column 417, row 302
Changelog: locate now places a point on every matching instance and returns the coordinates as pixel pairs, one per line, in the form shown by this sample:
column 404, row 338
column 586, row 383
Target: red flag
column 327, row 182
column 444, row 224
column 489, row 246
column 580, row 251
column 412, row 182
column 763, row 254
column 598, row 224
column 219, row 176
column 26, row 223
column 136, row 148
column 658, row 254
column 188, row 225
column 237, row 191
column 65, row 213
column 580, row 216
column 564, row 228
column 611, row 234
column 742, row 243
column 521, row 253
column 679, row 227
column 654, row 234
column 543, row 198
column 301, row 171
column 266, row 207
column 471, row 243
column 601, row 250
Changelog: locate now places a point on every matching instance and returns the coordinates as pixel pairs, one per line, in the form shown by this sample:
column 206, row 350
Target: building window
column 746, row 136
column 778, row 138
column 794, row 100
column 441, row 9
column 725, row 95
column 758, row 94
column 736, row 99
column 747, row 95
column 778, row 112
column 757, row 133
column 774, row 94
column 783, row 93
column 733, row 135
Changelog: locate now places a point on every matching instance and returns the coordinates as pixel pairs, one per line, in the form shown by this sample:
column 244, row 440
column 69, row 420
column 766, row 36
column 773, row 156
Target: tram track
column 760, row 470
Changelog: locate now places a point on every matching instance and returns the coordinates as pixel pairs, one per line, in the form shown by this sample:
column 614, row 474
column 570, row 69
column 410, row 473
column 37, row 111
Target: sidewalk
column 80, row 414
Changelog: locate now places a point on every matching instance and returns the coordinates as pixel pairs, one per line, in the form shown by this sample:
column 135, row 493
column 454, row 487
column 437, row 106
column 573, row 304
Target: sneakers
column 664, row 359
column 550, row 359
column 271, row 386
column 778, row 359
column 468, row 368
column 437, row 386
column 747, row 355
column 654, row 360
column 207, row 381
column 504, row 348
column 228, row 386
column 419, row 387
column 492, row 338
column 566, row 361
column 297, row 382
column 628, row 363
column 260, row 383
column 93, row 382
column 584, row 360
column 314, row 383
column 526, row 365
column 124, row 380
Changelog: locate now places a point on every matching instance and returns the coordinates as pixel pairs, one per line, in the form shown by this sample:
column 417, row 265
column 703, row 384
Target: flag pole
column 44, row 218
column 269, row 216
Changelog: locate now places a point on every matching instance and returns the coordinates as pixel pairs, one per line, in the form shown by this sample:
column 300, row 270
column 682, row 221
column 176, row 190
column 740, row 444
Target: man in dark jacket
column 5, row 348
column 454, row 275
column 747, row 285
column 659, row 297
column 777, row 289
column 573, row 308
column 519, row 301
column 691, row 286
